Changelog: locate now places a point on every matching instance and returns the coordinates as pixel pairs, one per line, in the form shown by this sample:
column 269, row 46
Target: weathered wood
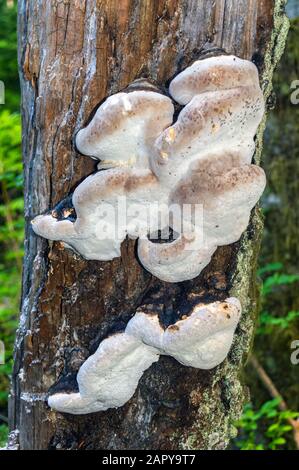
column 72, row 54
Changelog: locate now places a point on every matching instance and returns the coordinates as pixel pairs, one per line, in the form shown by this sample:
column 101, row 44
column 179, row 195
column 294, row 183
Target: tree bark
column 72, row 55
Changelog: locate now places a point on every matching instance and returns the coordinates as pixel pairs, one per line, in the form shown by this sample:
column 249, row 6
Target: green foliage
column 8, row 54
column 11, row 238
column 266, row 428
column 277, row 279
column 267, row 321
column 11, row 198
column 281, row 162
column 11, row 181
column 269, row 268
column 3, row 434
column 288, row 67
column 272, row 282
column 279, row 322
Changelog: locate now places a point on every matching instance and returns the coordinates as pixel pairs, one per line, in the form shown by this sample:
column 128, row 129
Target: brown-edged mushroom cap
column 106, row 186
column 125, row 127
column 226, row 195
column 202, row 159
column 201, row 339
column 212, row 122
column 213, row 74
column 99, row 229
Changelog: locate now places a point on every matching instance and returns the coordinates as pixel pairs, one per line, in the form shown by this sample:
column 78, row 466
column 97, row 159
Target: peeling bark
column 72, row 55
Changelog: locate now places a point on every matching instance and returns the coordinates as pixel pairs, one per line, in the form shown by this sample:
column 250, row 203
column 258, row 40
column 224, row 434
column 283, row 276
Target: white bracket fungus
column 204, row 159
column 108, row 379
column 155, row 167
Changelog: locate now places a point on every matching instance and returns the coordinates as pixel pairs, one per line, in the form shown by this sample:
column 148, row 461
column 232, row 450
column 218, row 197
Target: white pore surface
column 108, row 379
column 204, row 159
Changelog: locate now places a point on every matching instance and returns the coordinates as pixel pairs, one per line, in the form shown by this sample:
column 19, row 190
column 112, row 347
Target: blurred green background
column 11, row 199
column 267, row 422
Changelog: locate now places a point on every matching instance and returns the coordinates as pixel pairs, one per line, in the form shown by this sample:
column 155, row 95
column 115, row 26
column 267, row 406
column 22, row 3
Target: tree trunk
column 72, row 55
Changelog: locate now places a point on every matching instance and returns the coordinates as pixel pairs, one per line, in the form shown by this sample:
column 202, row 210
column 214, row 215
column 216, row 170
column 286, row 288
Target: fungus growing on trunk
column 203, row 159
column 108, row 379
column 150, row 174
column 227, row 192
column 125, row 127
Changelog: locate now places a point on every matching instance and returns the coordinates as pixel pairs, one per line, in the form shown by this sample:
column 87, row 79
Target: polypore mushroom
column 213, row 74
column 125, row 127
column 226, row 191
column 182, row 259
column 108, row 379
column 214, row 120
column 99, row 229
column 204, row 159
column 201, row 340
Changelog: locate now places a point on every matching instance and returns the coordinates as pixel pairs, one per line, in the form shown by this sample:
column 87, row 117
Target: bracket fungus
column 124, row 128
column 203, row 159
column 108, row 379
column 150, row 170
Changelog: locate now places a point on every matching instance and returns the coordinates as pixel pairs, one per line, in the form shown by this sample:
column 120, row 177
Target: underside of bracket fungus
column 151, row 170
column 203, row 159
column 109, row 378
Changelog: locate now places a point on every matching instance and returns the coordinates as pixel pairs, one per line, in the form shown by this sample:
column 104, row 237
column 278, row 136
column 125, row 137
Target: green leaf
column 3, row 435
column 279, row 441
column 278, row 280
column 269, row 268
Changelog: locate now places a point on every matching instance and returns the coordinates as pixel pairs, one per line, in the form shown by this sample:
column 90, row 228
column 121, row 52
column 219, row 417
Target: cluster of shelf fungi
column 203, row 158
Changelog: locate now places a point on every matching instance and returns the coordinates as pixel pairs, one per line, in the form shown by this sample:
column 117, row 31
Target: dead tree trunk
column 72, row 55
